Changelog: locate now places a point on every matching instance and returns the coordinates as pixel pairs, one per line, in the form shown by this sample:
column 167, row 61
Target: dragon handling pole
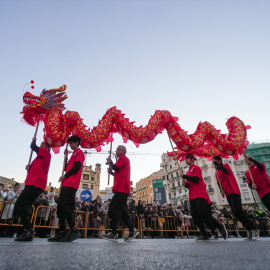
column 35, row 135
column 221, row 188
column 110, row 157
column 179, row 168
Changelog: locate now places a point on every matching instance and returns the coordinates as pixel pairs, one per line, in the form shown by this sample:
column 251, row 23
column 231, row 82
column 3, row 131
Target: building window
column 92, row 187
column 170, row 197
column 179, row 184
column 170, row 166
column 167, row 177
column 163, row 177
column 85, row 186
column 172, row 176
column 177, row 174
column 247, row 196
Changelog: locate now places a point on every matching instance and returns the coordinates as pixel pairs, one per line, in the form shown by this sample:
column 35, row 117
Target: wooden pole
column 64, row 166
column 251, row 176
column 35, row 135
column 221, row 188
column 110, row 157
column 179, row 168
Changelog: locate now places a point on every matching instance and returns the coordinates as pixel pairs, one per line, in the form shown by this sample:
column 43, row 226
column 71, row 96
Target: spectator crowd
column 155, row 220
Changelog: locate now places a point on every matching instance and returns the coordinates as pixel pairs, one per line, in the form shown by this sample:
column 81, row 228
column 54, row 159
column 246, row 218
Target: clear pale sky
column 201, row 60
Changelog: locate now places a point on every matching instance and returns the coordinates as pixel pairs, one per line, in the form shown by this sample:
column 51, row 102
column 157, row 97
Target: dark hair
column 74, row 139
column 48, row 145
column 16, row 184
column 190, row 156
column 218, row 158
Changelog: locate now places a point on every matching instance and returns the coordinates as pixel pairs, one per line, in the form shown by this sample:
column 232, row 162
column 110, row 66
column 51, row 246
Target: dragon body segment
column 59, row 125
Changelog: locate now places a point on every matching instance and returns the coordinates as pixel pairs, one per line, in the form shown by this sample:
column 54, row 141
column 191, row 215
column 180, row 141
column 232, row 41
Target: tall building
column 144, row 188
column 8, row 182
column 260, row 152
column 91, row 179
column 177, row 193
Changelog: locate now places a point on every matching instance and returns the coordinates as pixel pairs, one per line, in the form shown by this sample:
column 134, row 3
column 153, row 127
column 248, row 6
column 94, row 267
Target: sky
column 201, row 60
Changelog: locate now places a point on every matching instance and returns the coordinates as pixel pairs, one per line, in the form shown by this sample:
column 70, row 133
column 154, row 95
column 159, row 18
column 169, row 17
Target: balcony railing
column 239, row 162
column 210, row 190
column 207, row 178
column 243, row 185
column 204, row 166
column 247, row 199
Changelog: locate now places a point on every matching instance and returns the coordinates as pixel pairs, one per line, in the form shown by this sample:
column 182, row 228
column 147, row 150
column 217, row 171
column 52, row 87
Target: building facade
column 144, row 188
column 177, row 194
column 260, row 152
column 91, row 179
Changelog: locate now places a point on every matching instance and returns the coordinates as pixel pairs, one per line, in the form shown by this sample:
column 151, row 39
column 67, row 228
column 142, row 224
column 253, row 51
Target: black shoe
column 202, row 238
column 224, row 232
column 110, row 237
column 27, row 235
column 132, row 235
column 74, row 234
column 59, row 237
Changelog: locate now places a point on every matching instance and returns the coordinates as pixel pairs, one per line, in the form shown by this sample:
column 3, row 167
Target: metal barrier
column 101, row 224
column 6, row 214
column 45, row 217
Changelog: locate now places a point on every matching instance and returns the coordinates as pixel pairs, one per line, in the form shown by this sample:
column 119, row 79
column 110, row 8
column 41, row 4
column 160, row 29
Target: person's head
column 45, row 145
column 218, row 159
column 121, row 150
column 50, row 197
column 109, row 201
column 16, row 187
column 74, row 142
column 140, row 202
column 189, row 159
column 250, row 163
column 1, row 186
column 52, row 189
column 76, row 199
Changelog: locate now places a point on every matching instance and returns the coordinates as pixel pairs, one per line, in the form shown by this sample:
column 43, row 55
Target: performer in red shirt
column 233, row 195
column 198, row 200
column 261, row 180
column 118, row 209
column 70, row 184
column 35, row 184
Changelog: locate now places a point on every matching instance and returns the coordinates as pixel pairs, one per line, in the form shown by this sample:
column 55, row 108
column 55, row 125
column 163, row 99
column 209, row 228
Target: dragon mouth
column 31, row 101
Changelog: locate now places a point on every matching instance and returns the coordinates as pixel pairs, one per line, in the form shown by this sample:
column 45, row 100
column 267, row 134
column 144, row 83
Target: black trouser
column 23, row 205
column 235, row 203
column 65, row 208
column 200, row 213
column 118, row 210
column 266, row 200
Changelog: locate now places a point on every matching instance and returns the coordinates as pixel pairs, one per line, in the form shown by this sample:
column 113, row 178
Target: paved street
column 139, row 254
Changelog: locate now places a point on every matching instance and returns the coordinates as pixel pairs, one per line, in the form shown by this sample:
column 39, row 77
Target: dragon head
column 36, row 105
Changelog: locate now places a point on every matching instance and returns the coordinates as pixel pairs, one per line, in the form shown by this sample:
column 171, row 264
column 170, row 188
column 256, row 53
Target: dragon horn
column 60, row 89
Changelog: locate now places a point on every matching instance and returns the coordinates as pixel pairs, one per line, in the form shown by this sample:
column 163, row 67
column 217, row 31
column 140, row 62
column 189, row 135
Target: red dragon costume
column 59, row 125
